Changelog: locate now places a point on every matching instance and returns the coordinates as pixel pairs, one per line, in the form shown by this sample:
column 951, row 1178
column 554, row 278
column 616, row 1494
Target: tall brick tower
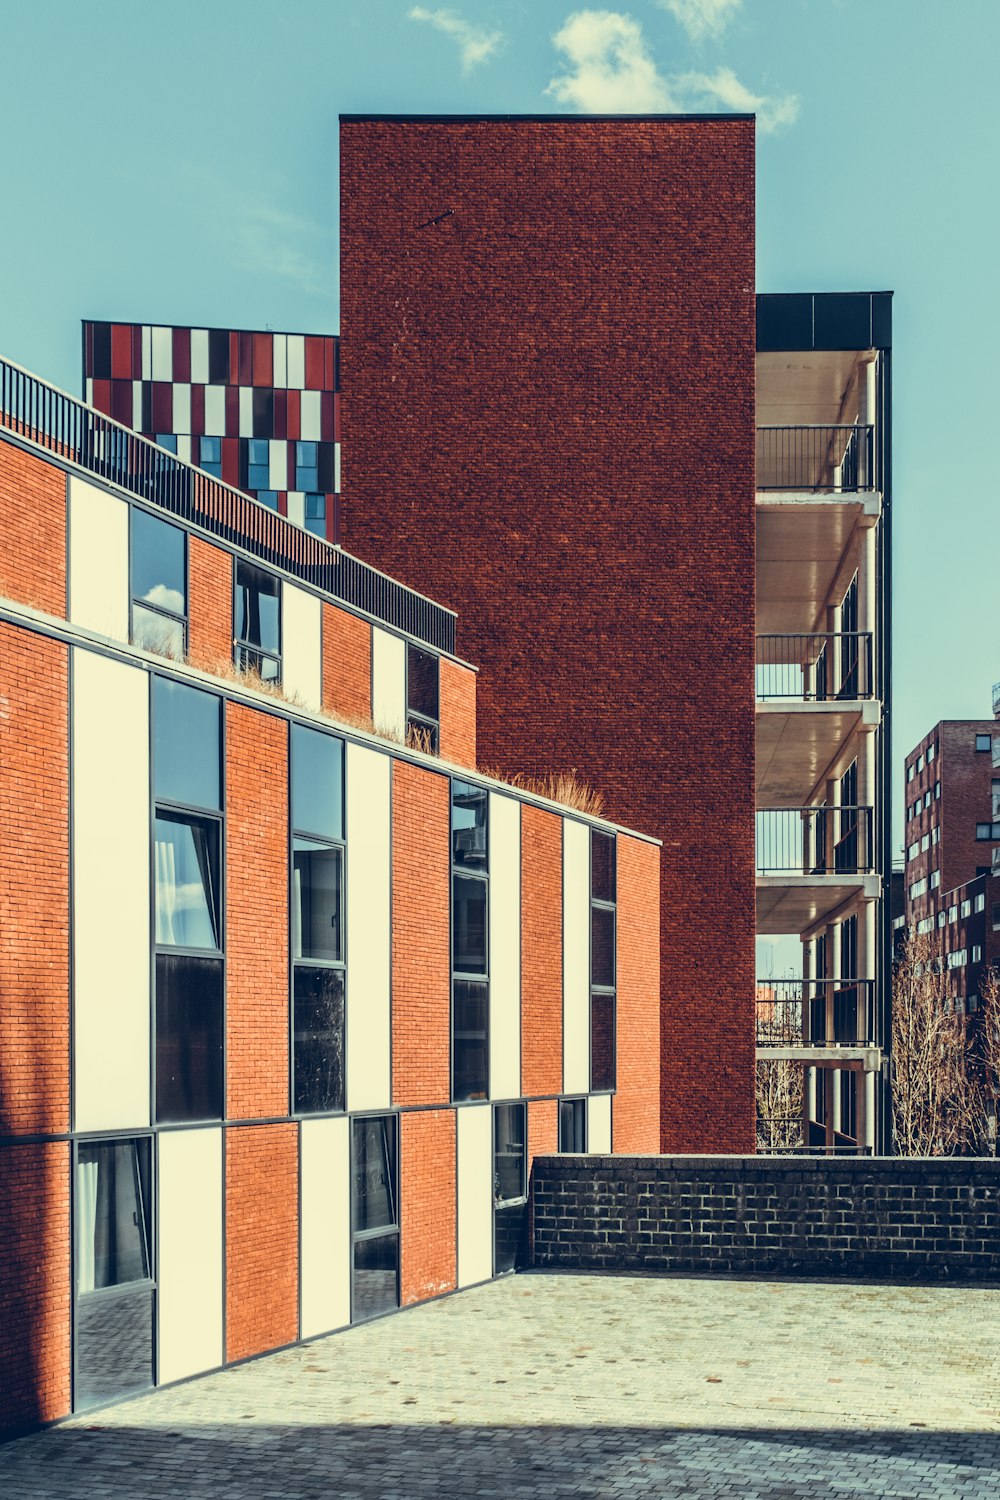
column 547, row 372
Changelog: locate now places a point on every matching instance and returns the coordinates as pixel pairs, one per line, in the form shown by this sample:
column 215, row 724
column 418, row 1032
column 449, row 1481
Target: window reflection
column 186, row 874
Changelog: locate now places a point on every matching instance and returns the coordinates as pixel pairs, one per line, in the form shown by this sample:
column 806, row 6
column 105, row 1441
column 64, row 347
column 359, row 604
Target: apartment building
column 291, row 991
column 823, row 491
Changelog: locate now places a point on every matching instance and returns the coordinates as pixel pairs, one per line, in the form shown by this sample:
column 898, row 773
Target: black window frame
column 423, row 732
column 576, row 1105
column 603, row 992
column 982, row 749
column 248, row 656
column 301, row 964
column 382, row 1231
column 171, row 616
column 456, row 871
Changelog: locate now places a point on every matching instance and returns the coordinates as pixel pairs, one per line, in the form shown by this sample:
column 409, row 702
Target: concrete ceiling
column 796, row 745
column 791, row 904
column 808, row 388
column 801, row 547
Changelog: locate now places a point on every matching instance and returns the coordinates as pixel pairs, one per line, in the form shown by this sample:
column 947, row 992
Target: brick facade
column 421, row 966
column 34, row 1284
column 34, row 884
column 427, row 1204
column 637, row 1106
column 458, row 713
column 33, row 513
column 256, row 913
column 597, row 461
column 347, row 664
column 541, row 951
column 210, row 604
column 262, row 1244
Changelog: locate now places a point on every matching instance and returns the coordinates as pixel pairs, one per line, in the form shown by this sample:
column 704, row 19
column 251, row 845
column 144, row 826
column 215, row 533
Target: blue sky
column 180, row 165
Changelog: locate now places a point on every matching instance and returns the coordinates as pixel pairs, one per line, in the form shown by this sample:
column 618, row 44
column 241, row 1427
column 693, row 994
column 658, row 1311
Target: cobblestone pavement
column 560, row 1385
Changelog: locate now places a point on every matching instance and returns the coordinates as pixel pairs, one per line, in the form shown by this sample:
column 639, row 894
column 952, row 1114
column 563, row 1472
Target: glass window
column 422, row 698
column 268, row 498
column 307, row 466
column 316, row 514
column 258, row 463
column 602, row 1041
column 602, row 946
column 258, row 621
column 319, row 1040
column 159, row 585
column 187, row 745
column 317, row 901
column 573, row 1125
column 317, row 783
column 187, row 881
column 468, row 914
column 210, row 451
column 374, row 1222
column 189, row 1037
column 603, row 890
column 469, row 816
column 979, row 904
column 983, row 742
column 376, row 1277
column 602, row 866
column 470, row 1008
column 218, row 356
column 167, row 440
column 509, row 1175
column 983, row 830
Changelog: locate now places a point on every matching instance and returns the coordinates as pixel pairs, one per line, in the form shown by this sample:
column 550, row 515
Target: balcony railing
column 816, row 1013
column 826, row 459
column 815, row 668
column 69, row 428
column 815, row 840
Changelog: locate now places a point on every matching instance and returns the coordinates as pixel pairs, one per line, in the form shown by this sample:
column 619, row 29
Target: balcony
column 818, row 459
column 816, row 1013
column 814, row 668
column 810, row 862
column 33, row 410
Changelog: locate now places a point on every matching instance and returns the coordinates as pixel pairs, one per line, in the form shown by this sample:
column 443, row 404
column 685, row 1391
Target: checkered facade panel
column 257, row 410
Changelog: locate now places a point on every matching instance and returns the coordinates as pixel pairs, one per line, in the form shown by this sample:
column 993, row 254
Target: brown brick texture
column 543, row 1128
column 541, row 951
column 34, row 1285
column 427, row 1199
column 347, row 664
column 421, row 968
column 262, row 1243
column 210, row 604
column 34, row 884
column 548, row 424
column 966, row 776
column 256, row 913
column 458, row 713
column 636, row 1113
column 33, row 523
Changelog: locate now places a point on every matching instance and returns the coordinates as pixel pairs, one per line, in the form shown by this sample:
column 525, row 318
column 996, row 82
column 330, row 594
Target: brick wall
column 34, row 884
column 637, row 1105
column 858, row 1216
column 256, row 913
column 421, row 967
column 427, row 1200
column 561, row 374
column 262, row 1242
column 541, row 951
column 347, row 664
column 34, row 1285
column 458, row 713
column 543, row 1128
column 210, row 604
column 33, row 522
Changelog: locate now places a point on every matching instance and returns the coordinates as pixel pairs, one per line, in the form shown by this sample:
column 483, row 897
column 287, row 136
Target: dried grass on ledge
column 565, row 787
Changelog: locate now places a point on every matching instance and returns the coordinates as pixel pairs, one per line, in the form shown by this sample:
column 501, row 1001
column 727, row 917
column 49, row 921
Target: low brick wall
column 853, row 1216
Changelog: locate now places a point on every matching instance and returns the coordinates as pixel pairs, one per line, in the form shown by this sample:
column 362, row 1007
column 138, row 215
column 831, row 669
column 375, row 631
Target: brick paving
column 567, row 1385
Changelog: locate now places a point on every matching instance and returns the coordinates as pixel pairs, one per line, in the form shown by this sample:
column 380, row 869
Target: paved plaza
column 560, row 1385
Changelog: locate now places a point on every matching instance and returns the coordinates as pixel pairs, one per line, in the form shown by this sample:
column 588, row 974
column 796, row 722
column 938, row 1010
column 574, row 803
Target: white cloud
column 702, row 19
column 724, row 88
column 475, row 44
column 610, row 71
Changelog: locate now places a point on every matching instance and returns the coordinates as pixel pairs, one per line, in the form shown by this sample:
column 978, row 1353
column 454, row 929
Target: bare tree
column 779, row 1105
column 985, row 1064
column 935, row 1091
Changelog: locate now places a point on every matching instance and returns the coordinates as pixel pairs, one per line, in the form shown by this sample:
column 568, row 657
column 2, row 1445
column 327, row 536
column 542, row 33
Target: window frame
column 144, row 604
column 602, row 991
column 464, row 976
column 244, row 648
column 573, row 1101
column 416, row 721
column 982, row 749
column 360, row 1236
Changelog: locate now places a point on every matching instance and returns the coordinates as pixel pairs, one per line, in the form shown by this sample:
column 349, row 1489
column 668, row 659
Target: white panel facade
column 246, row 411
column 296, row 372
column 505, row 946
column 277, row 456
column 199, row 356
column 162, row 353
column 475, row 1194
column 147, row 352
column 297, row 507
column 110, row 897
column 369, row 875
column 599, row 1124
column 301, row 644
column 136, row 405
column 576, row 957
column 98, row 560
column 215, row 410
column 182, row 408
column 190, row 1306
column 388, row 681
column 325, row 1232
column 310, row 429
column 336, row 468
column 184, row 446
column 279, row 374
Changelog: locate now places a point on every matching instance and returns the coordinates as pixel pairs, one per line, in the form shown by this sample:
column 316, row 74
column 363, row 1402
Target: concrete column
column 867, row 1137
column 808, row 1103
column 833, row 1083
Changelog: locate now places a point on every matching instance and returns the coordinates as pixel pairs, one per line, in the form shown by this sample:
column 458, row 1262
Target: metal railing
column 838, row 459
column 815, row 668
column 70, row 429
column 815, row 840
column 816, row 1013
